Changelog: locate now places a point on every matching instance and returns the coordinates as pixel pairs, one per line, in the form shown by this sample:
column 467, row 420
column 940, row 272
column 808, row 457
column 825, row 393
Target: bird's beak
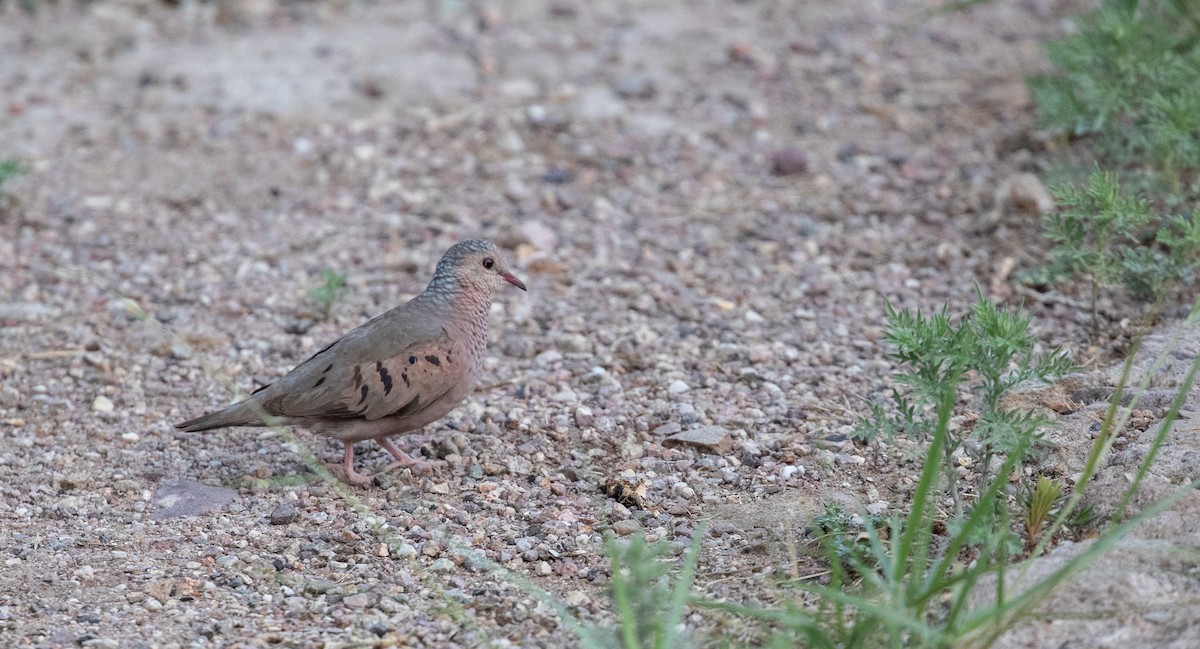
column 511, row 279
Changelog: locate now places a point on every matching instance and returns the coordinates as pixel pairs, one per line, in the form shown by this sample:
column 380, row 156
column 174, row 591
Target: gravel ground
column 709, row 202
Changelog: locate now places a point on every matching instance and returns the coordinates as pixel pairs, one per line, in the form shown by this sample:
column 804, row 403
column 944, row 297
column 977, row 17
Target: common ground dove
column 396, row 373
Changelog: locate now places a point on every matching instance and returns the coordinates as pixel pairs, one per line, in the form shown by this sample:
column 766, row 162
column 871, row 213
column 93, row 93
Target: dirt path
column 710, row 203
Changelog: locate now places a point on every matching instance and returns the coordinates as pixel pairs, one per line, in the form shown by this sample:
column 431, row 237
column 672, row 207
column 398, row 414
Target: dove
column 396, row 373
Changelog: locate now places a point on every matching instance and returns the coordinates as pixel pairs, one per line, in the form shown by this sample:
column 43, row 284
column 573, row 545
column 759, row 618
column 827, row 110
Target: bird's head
column 476, row 264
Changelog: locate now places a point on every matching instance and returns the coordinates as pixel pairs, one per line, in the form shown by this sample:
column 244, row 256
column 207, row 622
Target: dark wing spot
column 404, row 375
column 386, row 378
column 364, row 396
column 327, row 368
column 357, row 376
column 412, row 360
column 319, row 382
column 434, row 360
column 261, row 388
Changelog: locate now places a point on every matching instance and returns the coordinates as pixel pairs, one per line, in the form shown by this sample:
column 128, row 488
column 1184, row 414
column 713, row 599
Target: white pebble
column 102, row 404
column 577, row 598
column 877, row 507
column 364, row 152
column 683, row 490
column 761, row 354
column 566, row 395
column 677, row 387
column 129, row 436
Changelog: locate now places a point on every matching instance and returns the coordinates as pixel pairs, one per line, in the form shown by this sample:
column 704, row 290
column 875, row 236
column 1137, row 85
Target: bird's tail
column 243, row 413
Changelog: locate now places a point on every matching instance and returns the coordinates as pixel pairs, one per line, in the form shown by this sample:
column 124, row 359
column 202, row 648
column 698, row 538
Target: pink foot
column 405, row 460
column 354, row 477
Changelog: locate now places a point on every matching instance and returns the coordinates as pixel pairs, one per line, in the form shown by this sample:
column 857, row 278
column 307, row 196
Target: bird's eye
column 488, row 262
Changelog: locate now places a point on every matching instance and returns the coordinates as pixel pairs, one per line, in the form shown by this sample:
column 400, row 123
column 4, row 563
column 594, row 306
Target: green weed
column 326, row 294
column 1038, row 503
column 649, row 608
column 1112, row 238
column 991, row 351
column 10, row 169
column 1130, row 78
column 844, row 537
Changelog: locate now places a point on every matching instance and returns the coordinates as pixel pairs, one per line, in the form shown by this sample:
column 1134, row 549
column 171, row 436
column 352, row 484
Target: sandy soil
column 710, row 203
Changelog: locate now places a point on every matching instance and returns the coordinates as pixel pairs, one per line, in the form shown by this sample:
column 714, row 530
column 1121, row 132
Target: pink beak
column 511, row 279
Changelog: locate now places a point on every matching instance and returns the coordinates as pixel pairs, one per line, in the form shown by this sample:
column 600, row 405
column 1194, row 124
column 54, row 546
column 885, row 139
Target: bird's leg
column 348, row 466
column 404, row 459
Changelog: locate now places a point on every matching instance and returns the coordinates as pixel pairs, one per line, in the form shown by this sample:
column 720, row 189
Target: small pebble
column 683, row 490
column 626, row 527
column 284, row 513
column 788, row 161
column 677, row 387
column 361, row 600
column 669, row 428
column 102, row 404
column 9, row 397
column 576, row 598
column 1029, row 195
column 1158, row 617
column 708, row 439
column 635, row 86
column 584, row 416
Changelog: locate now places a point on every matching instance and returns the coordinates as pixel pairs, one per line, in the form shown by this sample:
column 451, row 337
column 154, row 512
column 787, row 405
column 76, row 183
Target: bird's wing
column 392, row 365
